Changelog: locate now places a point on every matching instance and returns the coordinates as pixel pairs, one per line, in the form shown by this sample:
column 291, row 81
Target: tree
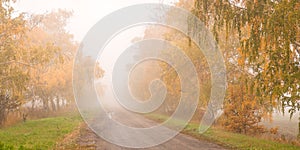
column 154, row 69
column 51, row 82
column 269, row 44
column 242, row 113
column 13, row 76
column 35, row 61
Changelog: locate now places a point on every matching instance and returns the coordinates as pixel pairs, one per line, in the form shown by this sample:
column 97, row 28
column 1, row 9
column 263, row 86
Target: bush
column 242, row 113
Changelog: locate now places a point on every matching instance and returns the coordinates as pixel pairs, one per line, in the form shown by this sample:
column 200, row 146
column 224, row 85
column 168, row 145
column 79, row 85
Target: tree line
column 36, row 58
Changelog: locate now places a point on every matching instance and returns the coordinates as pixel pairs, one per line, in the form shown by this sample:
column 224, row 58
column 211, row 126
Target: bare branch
column 17, row 62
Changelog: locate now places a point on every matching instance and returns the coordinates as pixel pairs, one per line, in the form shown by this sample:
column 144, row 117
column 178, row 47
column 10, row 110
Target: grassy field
column 229, row 139
column 38, row 134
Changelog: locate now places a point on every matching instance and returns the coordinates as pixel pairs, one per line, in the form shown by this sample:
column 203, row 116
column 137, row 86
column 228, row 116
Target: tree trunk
column 52, row 101
column 3, row 106
column 45, row 104
column 298, row 128
column 57, row 103
column 2, row 116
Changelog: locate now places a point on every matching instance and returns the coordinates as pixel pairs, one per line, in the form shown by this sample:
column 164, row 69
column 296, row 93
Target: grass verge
column 38, row 134
column 228, row 139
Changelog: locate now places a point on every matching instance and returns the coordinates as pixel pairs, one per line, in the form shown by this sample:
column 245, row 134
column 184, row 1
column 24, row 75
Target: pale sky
column 86, row 12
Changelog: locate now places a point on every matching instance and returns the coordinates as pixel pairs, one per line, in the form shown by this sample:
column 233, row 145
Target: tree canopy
column 36, row 55
column 268, row 33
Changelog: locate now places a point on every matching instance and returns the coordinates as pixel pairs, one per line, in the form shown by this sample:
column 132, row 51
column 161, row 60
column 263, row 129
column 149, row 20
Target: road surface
column 87, row 139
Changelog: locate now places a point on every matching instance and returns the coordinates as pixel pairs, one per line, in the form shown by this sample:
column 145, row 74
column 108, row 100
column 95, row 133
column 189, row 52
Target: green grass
column 38, row 134
column 229, row 139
